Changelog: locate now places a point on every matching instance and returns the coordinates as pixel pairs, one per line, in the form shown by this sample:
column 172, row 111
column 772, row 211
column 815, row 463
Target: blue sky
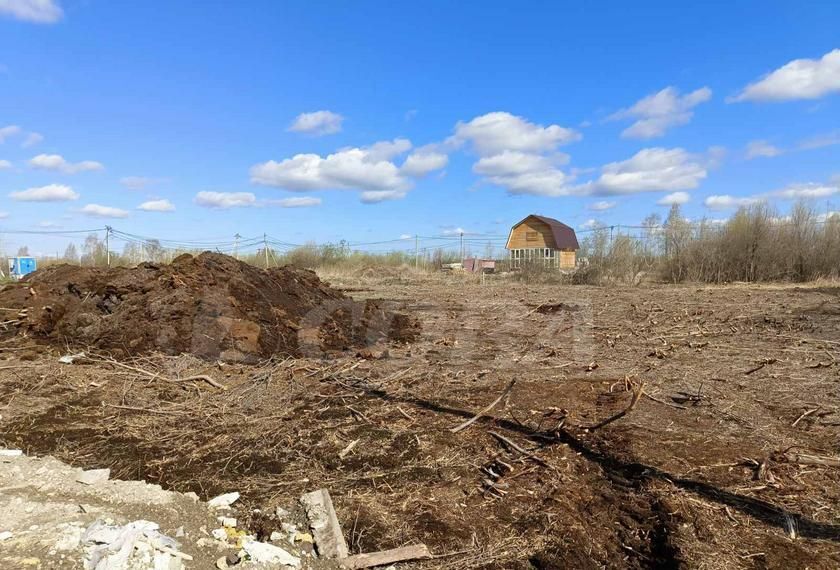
column 371, row 120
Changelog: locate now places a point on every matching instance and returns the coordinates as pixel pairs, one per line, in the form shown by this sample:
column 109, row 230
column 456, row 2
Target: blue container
column 20, row 267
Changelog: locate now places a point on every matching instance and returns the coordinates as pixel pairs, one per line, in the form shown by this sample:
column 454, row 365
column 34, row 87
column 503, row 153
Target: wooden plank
column 385, row 557
column 329, row 540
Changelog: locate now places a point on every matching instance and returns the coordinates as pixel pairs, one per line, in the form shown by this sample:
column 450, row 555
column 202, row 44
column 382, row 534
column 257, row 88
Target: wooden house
column 538, row 239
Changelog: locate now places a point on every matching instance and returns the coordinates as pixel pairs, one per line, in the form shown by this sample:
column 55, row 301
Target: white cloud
column 650, row 170
column 157, row 206
column 48, row 224
column 525, row 173
column 36, row 11
column 298, row 202
column 590, row 224
column 376, row 196
column 224, row 200
column 806, row 191
column 5, row 165
column 406, row 236
column 57, row 163
column 31, row 140
column 820, row 141
column 9, row 131
column 658, row 112
column 99, row 211
column 798, row 79
column 317, row 123
column 421, row 162
column 369, row 169
column 497, row 132
column 602, row 205
column 49, row 193
column 674, row 198
column 725, row 201
column 4, row 215
column 454, row 231
column 761, row 148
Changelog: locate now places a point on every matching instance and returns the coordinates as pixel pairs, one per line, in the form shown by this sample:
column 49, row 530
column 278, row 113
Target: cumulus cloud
column 225, row 200
column 525, row 173
column 806, row 191
column 726, row 201
column 798, row 79
column 9, row 131
column 371, row 169
column 421, row 162
column 317, row 123
column 57, row 163
column 761, row 148
column 298, row 202
column 657, row 113
column 674, row 198
column 601, row 206
column 157, row 206
column 650, row 170
column 5, row 165
column 590, row 224
column 31, row 140
column 499, row 131
column 49, row 193
column 100, row 211
column 35, row 11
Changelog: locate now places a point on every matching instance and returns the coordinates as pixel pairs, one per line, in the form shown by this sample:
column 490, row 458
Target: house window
column 531, row 236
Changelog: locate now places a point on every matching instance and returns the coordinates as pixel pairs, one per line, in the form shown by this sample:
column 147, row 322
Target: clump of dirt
column 210, row 305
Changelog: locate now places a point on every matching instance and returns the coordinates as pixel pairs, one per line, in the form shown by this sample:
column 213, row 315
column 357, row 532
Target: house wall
column 540, row 231
column 567, row 259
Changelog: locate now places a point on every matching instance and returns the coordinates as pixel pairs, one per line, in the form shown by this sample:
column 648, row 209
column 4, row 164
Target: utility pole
column 265, row 249
column 236, row 239
column 462, row 246
column 416, row 251
column 108, row 244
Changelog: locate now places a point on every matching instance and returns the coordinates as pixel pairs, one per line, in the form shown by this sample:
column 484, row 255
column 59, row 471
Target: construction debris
column 93, row 476
column 329, row 540
column 136, row 545
column 223, row 501
column 413, row 552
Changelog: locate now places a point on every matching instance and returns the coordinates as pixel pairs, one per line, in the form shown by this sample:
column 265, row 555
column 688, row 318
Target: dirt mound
column 211, row 305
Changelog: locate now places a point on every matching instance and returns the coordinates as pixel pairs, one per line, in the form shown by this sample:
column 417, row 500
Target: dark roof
column 564, row 236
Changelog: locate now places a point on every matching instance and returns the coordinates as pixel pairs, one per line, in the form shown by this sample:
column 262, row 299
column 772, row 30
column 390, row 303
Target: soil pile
column 210, row 305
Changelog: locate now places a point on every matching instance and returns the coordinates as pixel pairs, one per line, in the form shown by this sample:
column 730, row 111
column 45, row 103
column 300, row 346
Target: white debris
column 223, row 501
column 93, row 476
column 10, row 453
column 219, row 534
column 269, row 554
column 5, row 535
column 281, row 513
column 229, row 522
column 137, row 545
column 69, row 358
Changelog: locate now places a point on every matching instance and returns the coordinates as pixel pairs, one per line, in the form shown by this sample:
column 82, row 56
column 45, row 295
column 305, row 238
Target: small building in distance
column 538, row 239
column 476, row 265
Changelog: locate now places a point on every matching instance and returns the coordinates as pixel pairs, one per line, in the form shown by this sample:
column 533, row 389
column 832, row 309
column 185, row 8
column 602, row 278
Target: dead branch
column 492, row 405
column 637, row 394
column 204, row 377
column 805, row 414
column 805, row 459
column 521, row 450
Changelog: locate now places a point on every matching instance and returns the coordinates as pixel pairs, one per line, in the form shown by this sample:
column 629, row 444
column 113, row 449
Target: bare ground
column 696, row 475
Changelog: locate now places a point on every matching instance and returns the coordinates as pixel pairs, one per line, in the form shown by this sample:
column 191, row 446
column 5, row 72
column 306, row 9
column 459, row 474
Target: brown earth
column 694, row 476
column 211, row 306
